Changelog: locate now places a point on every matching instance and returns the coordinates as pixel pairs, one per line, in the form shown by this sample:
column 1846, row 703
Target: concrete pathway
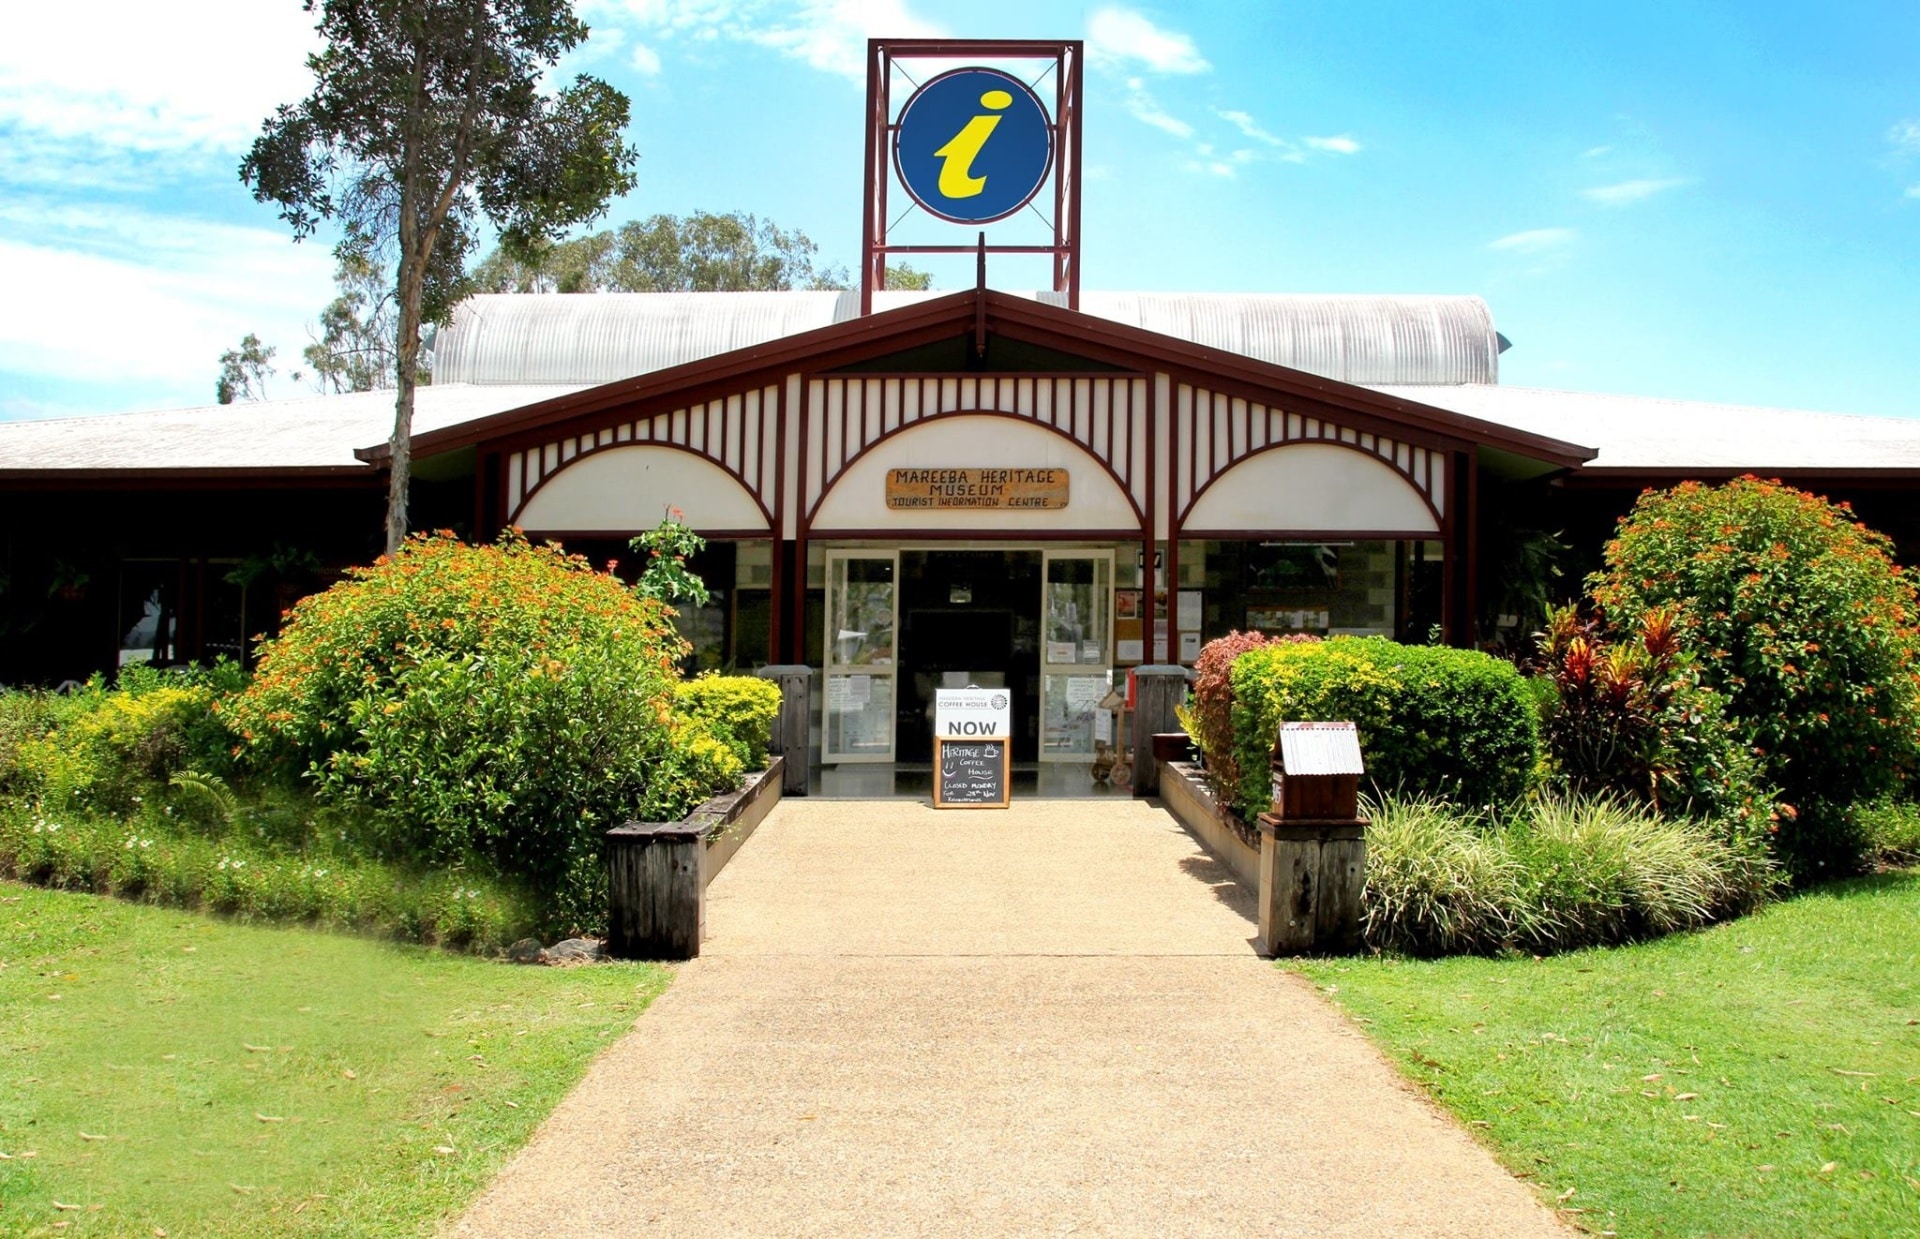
column 1043, row 1021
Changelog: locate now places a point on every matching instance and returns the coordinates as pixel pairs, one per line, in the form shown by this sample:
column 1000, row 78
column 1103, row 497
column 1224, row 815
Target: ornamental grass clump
column 503, row 703
column 1800, row 618
column 1554, row 874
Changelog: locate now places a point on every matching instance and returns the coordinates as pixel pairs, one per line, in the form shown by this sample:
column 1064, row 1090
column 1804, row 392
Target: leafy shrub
column 506, row 702
column 153, row 859
column 1799, row 616
column 1208, row 715
column 739, row 709
column 1892, row 830
column 1454, row 724
column 1627, row 716
column 1556, row 875
column 102, row 745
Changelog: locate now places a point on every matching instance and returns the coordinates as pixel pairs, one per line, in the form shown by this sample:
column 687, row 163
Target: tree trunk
column 400, row 463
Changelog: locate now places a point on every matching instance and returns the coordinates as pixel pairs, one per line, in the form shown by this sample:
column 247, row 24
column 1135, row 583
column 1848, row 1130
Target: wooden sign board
column 997, row 489
column 971, row 774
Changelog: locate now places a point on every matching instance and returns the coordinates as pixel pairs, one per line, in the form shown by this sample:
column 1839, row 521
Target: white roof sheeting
column 600, row 338
column 315, row 432
column 1649, row 433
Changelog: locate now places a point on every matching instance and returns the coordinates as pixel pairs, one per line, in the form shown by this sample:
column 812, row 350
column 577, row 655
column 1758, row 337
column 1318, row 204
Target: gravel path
column 1043, row 1021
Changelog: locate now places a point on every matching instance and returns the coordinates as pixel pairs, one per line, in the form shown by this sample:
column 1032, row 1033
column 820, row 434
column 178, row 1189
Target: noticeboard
column 971, row 774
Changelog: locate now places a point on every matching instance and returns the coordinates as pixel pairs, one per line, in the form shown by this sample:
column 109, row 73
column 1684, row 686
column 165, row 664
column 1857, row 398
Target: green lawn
column 168, row 1072
column 1759, row 1078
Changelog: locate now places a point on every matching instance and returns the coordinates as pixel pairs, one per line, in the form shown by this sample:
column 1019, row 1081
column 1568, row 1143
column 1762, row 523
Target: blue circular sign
column 973, row 145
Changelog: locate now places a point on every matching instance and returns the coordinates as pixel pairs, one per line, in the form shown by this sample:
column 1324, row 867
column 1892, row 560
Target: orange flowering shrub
column 502, row 702
column 1799, row 616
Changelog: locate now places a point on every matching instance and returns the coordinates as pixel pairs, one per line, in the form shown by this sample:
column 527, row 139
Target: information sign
column 972, row 713
column 973, row 145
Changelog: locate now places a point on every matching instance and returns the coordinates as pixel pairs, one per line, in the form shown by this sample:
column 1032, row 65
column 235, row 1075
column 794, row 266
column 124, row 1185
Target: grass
column 1761, row 1078
column 170, row 1072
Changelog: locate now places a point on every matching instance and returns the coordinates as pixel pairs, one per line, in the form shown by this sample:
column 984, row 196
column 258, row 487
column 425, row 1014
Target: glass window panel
column 1079, row 599
column 862, row 591
column 859, row 710
column 1067, row 729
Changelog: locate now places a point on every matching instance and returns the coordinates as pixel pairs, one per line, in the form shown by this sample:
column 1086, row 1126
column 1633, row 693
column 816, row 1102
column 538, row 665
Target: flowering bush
column 1799, row 616
column 736, row 708
column 507, row 702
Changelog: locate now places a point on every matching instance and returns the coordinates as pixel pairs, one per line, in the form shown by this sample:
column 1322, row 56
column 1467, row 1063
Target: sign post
column 972, row 746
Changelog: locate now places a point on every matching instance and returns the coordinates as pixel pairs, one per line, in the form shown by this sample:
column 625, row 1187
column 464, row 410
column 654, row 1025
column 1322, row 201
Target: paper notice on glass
column 1059, row 651
column 1189, row 646
column 1188, row 607
column 837, row 694
column 1159, row 635
column 1103, row 726
column 859, row 690
column 1090, row 652
column 1129, row 649
column 1083, row 691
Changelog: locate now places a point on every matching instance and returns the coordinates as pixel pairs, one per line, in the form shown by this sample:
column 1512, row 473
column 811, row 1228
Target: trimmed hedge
column 1454, row 724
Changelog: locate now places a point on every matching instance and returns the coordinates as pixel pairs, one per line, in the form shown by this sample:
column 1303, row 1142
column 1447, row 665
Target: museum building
column 975, row 487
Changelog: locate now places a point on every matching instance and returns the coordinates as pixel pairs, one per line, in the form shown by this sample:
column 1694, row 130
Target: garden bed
column 1184, row 790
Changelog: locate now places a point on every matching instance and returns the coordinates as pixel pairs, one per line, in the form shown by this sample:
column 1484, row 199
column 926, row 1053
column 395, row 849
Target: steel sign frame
column 1068, row 61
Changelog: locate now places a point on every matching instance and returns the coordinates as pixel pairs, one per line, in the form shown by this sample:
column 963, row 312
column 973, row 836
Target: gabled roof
column 936, row 318
column 603, row 338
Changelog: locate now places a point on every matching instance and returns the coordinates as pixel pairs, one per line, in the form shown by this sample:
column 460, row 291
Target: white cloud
column 1143, row 108
column 1339, row 144
column 1534, row 240
column 1913, row 191
column 645, row 59
column 1626, row 193
column 1121, row 39
column 150, row 297
column 1594, row 152
column 831, row 35
column 1905, row 136
column 152, row 79
column 1250, row 127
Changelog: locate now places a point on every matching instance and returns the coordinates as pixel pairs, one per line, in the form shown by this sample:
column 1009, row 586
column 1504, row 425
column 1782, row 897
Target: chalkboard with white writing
column 970, row 774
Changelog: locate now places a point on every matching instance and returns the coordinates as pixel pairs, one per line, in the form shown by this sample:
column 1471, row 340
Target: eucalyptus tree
column 428, row 117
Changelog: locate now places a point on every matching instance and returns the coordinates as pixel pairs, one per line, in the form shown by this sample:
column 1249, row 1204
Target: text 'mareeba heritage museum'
column 911, row 490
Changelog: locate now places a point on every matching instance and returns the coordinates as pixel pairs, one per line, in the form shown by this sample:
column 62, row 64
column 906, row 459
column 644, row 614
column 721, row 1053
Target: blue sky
column 1703, row 201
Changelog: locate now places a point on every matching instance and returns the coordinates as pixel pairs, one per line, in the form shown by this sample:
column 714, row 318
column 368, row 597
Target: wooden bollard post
column 792, row 727
column 1159, row 688
column 656, row 889
column 1313, row 845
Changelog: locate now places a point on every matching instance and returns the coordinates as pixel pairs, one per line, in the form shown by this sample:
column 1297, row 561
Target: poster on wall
column 1126, row 604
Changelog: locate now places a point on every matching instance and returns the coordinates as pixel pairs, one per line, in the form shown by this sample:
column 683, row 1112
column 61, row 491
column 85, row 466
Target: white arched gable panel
column 858, row 500
column 1311, row 487
column 625, row 489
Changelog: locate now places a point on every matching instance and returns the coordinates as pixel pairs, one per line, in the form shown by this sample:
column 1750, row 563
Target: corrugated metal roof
column 314, row 432
column 601, row 338
column 1647, row 433
column 1320, row 748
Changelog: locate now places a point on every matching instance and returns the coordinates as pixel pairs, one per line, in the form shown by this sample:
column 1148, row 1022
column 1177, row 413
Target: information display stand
column 972, row 748
column 971, row 774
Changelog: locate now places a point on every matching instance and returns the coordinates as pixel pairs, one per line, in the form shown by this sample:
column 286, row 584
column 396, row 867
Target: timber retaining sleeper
column 657, row 872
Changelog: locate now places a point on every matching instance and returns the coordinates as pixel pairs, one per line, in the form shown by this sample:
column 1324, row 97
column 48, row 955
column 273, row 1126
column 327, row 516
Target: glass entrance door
column 863, row 613
column 1076, row 650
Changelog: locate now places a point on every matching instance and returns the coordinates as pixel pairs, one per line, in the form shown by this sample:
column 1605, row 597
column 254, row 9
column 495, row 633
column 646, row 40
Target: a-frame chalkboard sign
column 971, row 774
column 972, row 748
